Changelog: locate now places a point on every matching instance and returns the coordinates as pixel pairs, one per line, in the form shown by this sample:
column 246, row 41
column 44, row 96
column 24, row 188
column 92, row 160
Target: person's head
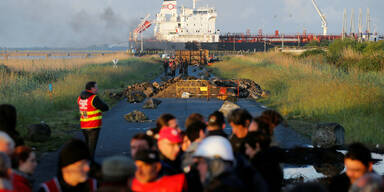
column 274, row 117
column 73, row 162
column 148, row 166
column 239, row 119
column 255, row 142
column 216, row 121
column 5, row 165
column 368, row 182
column 169, row 142
column 167, row 120
column 193, row 118
column 357, row 161
column 141, row 141
column 260, row 124
column 24, row 159
column 214, row 155
column 7, row 145
column 91, row 87
column 8, row 117
column 196, row 131
column 117, row 169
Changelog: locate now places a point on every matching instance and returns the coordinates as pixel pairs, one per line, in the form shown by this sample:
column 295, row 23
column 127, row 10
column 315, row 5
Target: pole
column 142, row 43
column 234, row 42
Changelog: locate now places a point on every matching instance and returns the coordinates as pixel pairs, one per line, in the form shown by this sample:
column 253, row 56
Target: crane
column 322, row 17
column 144, row 25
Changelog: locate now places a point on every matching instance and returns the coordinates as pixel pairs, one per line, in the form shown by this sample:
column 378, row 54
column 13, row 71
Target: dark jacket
column 97, row 102
column 170, row 167
column 250, row 176
column 217, row 133
column 340, row 183
column 226, row 182
column 267, row 162
column 82, row 187
column 237, row 144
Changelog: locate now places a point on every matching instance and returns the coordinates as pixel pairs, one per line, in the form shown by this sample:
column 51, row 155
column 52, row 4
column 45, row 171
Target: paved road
column 116, row 131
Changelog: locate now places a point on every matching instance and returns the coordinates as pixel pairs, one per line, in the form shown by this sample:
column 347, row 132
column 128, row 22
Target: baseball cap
column 148, row 156
column 172, row 134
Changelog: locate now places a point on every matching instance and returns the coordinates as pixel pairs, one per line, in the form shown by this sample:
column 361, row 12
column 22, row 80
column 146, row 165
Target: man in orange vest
column 91, row 108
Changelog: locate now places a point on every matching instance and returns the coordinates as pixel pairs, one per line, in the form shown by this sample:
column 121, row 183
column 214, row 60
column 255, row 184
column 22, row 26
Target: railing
column 203, row 88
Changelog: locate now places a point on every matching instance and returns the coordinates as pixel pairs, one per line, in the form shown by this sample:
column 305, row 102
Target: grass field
column 24, row 83
column 310, row 89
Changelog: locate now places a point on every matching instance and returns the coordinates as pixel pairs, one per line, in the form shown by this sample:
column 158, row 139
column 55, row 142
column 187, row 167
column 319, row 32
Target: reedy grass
column 30, row 94
column 312, row 90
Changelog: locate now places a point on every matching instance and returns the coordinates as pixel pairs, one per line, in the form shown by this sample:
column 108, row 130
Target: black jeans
column 91, row 136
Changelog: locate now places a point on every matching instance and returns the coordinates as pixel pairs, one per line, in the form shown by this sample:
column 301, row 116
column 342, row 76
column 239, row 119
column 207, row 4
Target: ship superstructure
column 187, row 24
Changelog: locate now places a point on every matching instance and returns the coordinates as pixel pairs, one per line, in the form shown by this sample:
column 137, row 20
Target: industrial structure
column 181, row 28
column 196, row 24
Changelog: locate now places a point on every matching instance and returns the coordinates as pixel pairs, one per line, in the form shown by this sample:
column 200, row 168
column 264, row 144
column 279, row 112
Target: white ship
column 186, row 24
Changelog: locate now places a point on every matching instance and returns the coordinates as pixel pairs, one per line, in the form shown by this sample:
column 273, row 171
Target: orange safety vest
column 54, row 186
column 90, row 116
column 172, row 183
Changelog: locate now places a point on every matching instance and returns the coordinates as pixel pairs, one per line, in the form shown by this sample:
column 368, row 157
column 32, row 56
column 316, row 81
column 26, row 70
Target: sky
column 82, row 23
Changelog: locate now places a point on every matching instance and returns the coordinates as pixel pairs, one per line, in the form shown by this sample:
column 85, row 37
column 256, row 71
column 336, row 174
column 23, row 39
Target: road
column 116, row 132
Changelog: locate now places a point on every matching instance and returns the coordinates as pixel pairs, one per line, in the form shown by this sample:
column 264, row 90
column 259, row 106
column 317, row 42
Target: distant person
column 193, row 118
column 118, row 173
column 5, row 173
column 91, row 108
column 165, row 120
column 239, row 119
column 216, row 124
column 169, row 144
column 273, row 117
column 7, row 145
column 194, row 134
column 261, row 124
column 216, row 165
column 24, row 164
column 141, row 141
column 357, row 161
column 148, row 177
column 166, row 66
column 265, row 159
column 73, row 169
column 8, row 122
column 368, row 182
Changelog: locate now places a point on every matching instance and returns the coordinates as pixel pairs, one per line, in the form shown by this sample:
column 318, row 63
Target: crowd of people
column 199, row 157
column 172, row 64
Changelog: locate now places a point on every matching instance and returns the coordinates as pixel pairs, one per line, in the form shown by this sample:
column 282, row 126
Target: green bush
column 369, row 55
column 313, row 52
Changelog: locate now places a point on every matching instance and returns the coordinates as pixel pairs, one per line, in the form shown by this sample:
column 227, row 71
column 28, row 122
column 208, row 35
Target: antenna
column 368, row 22
column 352, row 27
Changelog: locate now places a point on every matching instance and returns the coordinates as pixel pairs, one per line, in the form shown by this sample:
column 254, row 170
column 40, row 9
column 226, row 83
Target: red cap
column 171, row 134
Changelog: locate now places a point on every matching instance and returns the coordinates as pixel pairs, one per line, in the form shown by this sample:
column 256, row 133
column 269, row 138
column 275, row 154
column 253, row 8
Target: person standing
column 91, row 108
column 166, row 65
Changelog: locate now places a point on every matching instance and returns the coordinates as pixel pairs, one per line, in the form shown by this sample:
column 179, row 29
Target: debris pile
column 136, row 117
